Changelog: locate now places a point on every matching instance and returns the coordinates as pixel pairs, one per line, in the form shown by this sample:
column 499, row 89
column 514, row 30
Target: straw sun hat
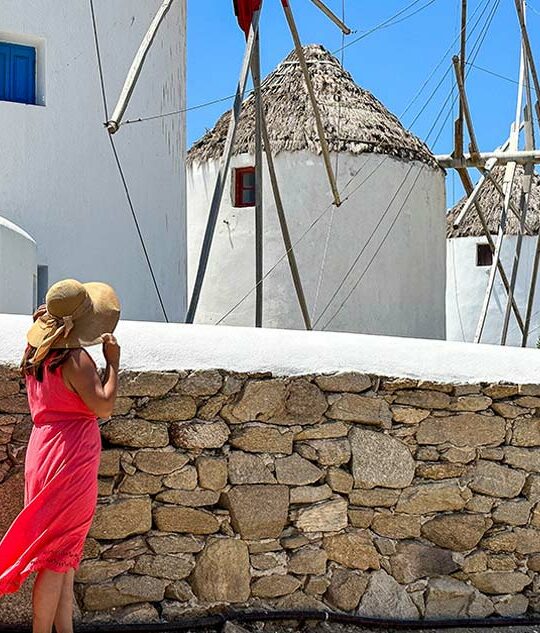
column 77, row 315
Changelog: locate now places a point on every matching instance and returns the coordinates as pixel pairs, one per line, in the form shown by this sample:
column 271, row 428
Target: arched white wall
column 57, row 174
column 18, row 268
column 401, row 294
column 466, row 287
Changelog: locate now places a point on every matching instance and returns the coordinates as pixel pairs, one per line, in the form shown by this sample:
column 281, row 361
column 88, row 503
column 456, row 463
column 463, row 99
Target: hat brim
column 87, row 330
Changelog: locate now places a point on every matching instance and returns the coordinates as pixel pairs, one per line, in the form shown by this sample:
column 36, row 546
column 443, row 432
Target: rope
column 117, row 160
column 378, row 248
column 478, row 44
column 333, row 214
column 379, row 165
column 475, row 51
column 364, row 247
column 182, row 111
column 391, row 21
column 490, row 72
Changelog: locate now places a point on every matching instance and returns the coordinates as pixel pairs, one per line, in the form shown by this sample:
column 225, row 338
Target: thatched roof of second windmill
column 490, row 202
column 354, row 120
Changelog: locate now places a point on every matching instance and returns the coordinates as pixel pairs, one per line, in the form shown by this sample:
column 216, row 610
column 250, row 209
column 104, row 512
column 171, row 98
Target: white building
column 18, row 266
column 392, row 221
column 469, row 265
column 58, row 178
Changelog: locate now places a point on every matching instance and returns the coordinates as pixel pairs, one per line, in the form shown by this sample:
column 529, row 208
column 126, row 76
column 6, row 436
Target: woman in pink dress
column 65, row 395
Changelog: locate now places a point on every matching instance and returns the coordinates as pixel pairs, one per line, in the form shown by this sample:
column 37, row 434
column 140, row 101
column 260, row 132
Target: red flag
column 244, row 10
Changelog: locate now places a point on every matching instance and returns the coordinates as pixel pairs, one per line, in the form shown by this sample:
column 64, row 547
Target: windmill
column 514, row 193
column 248, row 13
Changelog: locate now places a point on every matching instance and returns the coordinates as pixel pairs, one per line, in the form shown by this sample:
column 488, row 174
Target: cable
column 134, row 215
column 388, row 22
column 332, row 216
column 475, row 50
column 364, row 247
column 529, row 6
column 190, row 109
column 349, row 272
column 490, row 72
column 419, row 92
column 456, row 291
column 379, row 165
column 366, row 269
column 222, row 99
column 478, row 45
column 118, row 163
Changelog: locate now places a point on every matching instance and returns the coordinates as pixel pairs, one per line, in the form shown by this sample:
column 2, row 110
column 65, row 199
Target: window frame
column 239, row 188
column 482, row 248
column 14, row 52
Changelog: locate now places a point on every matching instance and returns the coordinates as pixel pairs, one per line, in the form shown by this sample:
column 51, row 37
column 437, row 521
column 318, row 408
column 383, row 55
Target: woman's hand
column 39, row 312
column 111, row 350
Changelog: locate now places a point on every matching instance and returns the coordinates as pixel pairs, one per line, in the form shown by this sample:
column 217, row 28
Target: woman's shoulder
column 79, row 358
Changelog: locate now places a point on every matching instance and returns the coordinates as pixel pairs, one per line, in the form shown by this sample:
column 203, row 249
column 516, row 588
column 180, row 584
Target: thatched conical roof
column 491, row 203
column 354, row 120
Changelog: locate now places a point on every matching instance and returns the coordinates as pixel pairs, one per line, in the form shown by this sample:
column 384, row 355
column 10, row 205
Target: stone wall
column 353, row 492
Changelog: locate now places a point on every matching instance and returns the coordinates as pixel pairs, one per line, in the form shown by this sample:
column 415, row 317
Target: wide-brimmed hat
column 77, row 315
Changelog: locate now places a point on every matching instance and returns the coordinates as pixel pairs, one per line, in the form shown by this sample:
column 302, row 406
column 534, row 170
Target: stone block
column 380, row 460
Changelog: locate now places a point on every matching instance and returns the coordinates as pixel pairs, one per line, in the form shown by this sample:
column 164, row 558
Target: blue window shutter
column 23, row 74
column 5, row 68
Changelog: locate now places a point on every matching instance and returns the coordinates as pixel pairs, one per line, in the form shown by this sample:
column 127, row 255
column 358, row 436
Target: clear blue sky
column 392, row 62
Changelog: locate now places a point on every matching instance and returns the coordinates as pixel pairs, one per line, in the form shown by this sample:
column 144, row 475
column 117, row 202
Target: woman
column 65, row 395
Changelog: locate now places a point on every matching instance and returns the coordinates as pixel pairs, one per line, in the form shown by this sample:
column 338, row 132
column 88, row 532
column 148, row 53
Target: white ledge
column 161, row 347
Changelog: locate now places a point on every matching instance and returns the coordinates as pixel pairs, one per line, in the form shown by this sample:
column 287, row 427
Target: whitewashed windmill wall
column 57, row 175
column 18, row 268
column 468, row 267
column 403, row 291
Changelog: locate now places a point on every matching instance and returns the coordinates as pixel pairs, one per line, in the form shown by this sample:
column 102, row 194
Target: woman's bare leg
column 63, row 620
column 45, row 598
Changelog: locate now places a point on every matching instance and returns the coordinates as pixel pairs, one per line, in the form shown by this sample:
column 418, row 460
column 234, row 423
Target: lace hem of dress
column 56, row 560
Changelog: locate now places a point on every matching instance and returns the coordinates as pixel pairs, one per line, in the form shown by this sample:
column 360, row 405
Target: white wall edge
column 166, row 347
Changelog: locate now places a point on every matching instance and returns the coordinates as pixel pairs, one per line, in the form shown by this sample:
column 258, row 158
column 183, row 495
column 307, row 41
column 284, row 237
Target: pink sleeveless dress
column 60, row 494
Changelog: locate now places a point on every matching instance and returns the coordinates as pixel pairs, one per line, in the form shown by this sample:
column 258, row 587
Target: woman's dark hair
column 59, row 356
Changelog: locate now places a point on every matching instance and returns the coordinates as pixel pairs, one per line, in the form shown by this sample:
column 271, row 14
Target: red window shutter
column 244, row 187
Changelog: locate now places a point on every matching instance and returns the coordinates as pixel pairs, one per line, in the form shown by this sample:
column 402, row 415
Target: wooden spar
column 284, row 227
column 469, row 160
column 534, row 74
column 507, row 185
column 467, row 183
column 523, row 203
column 490, row 164
column 530, row 299
column 465, row 105
column 256, row 74
column 458, row 125
column 330, row 14
column 320, row 128
column 133, row 75
column 475, row 193
column 528, row 52
column 223, row 170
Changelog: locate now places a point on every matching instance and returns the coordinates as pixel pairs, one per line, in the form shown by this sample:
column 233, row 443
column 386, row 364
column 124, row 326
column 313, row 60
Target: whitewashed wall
column 466, row 287
column 18, row 265
column 401, row 294
column 57, row 176
column 170, row 347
